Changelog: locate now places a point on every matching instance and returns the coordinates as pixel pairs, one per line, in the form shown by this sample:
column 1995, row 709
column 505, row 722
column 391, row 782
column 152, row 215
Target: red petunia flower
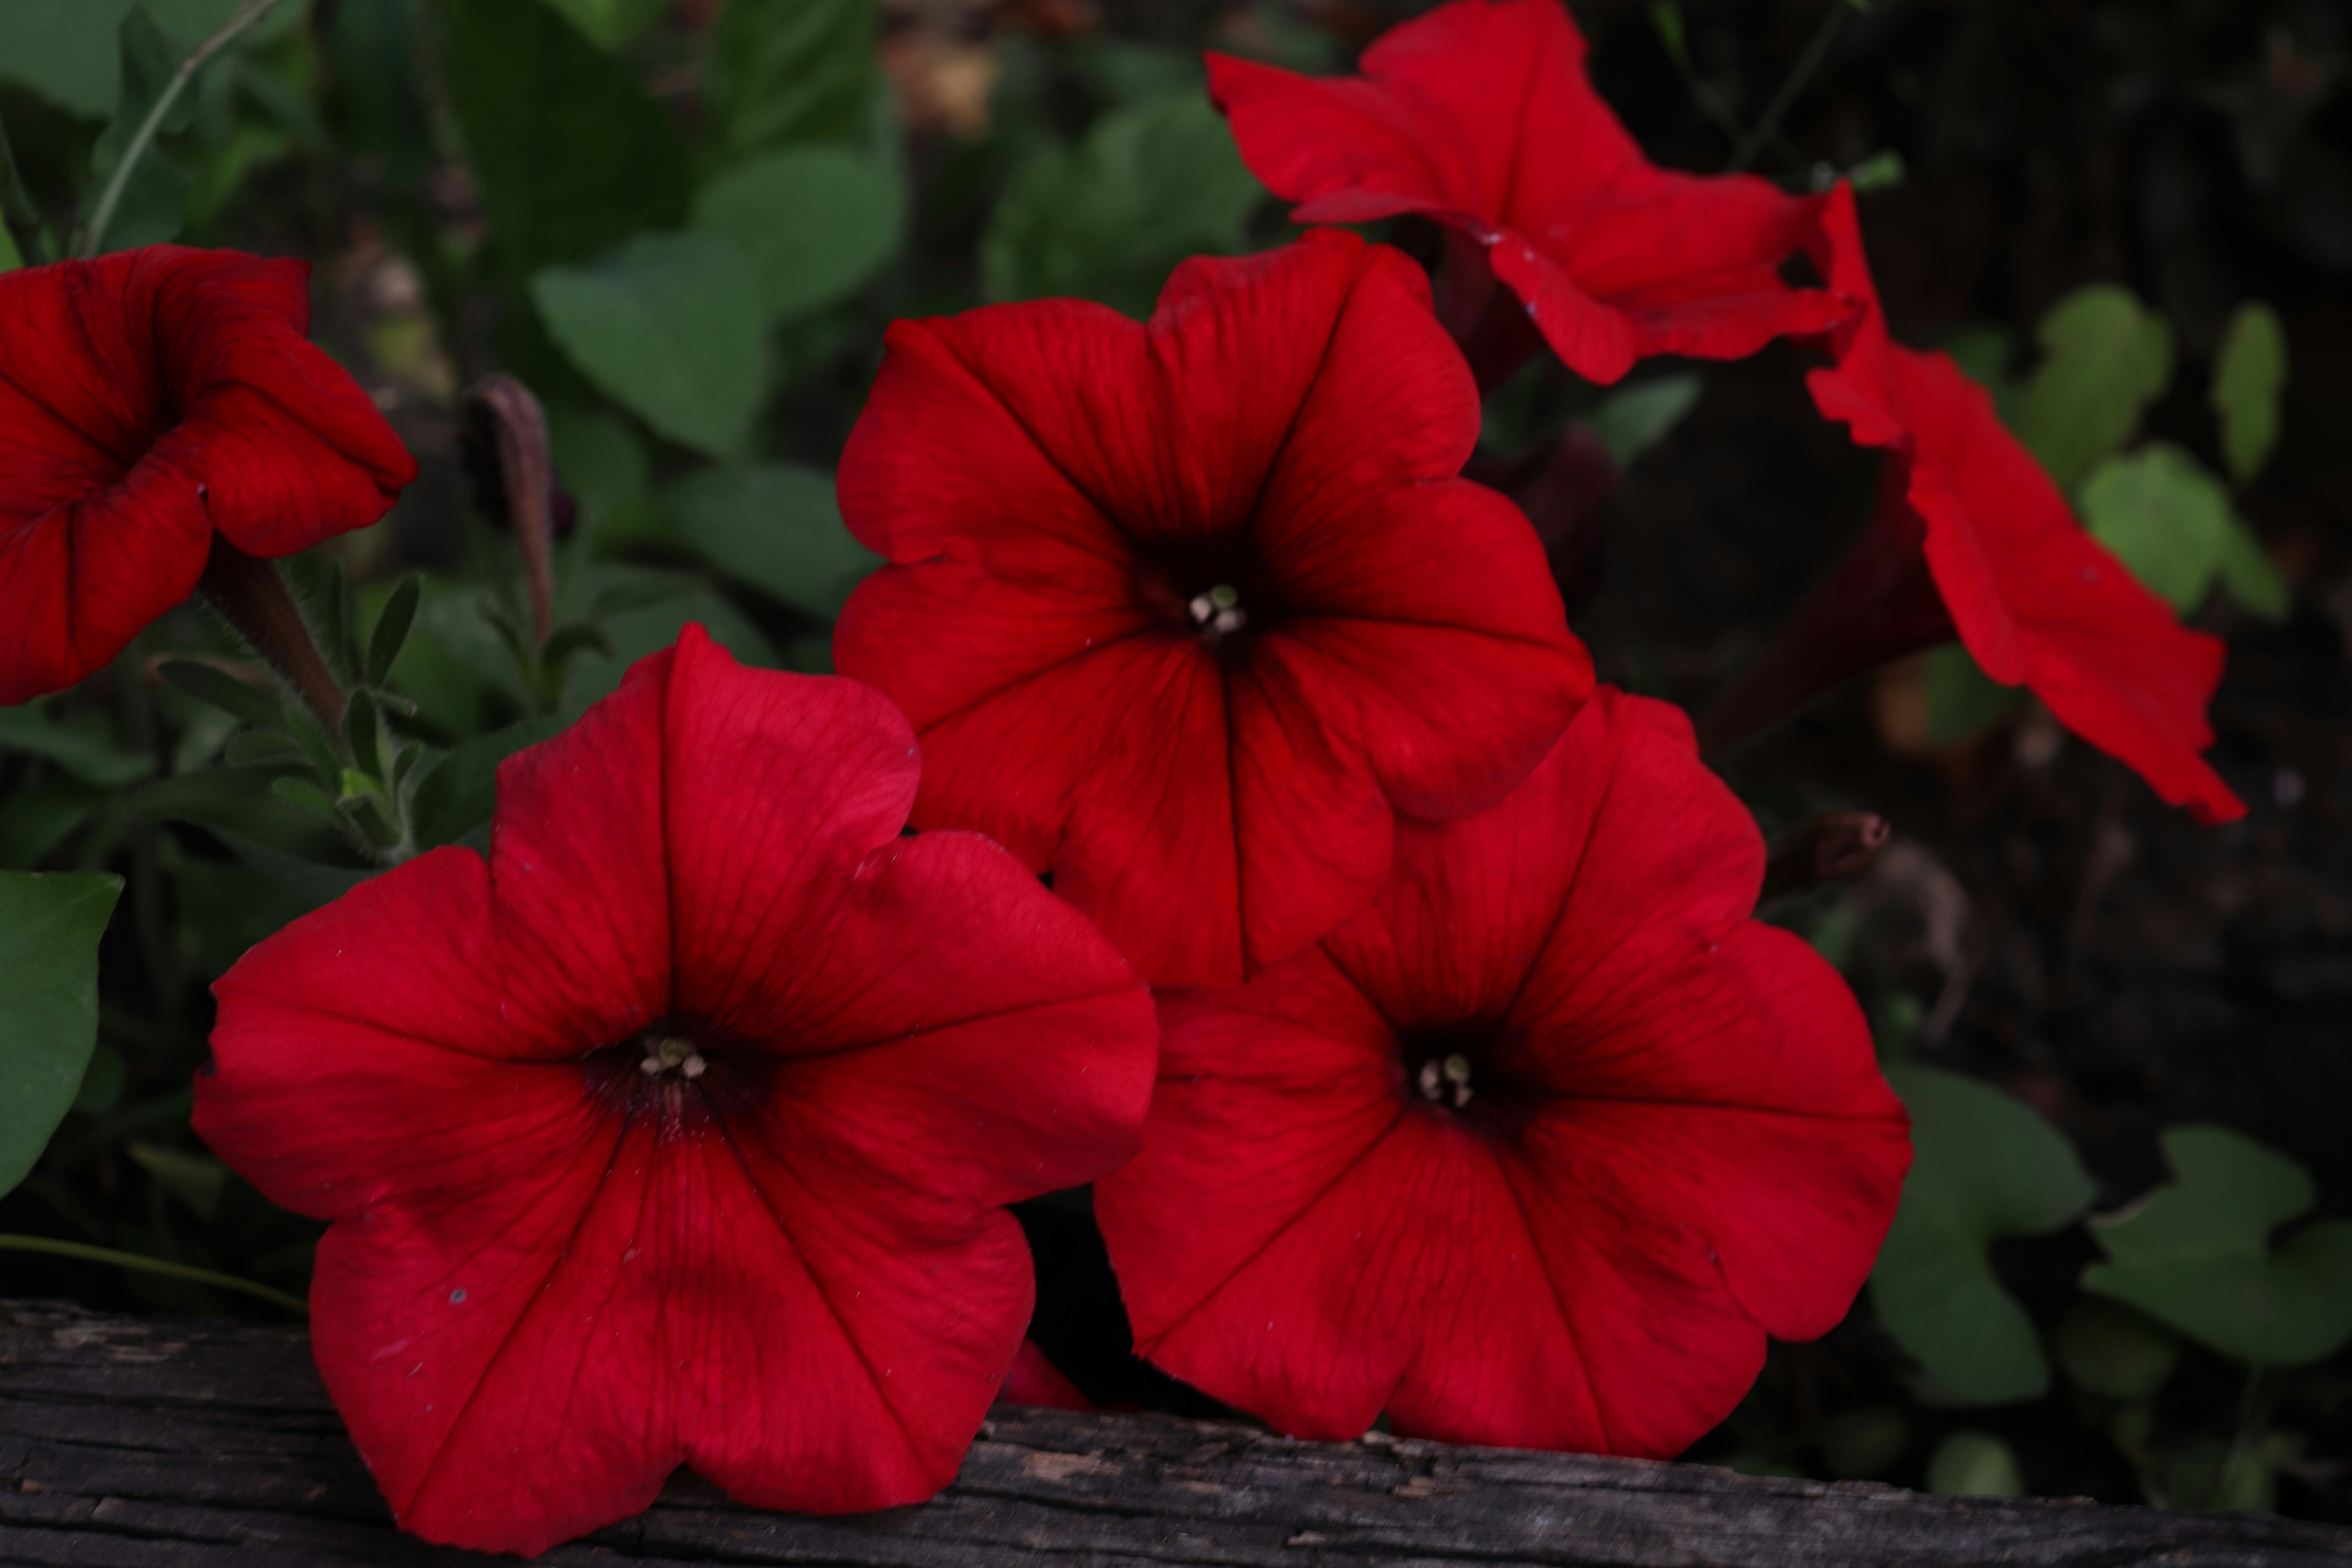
column 2037, row 600
column 1186, row 612
column 150, row 401
column 676, row 1132
column 1537, row 1149
column 1479, row 116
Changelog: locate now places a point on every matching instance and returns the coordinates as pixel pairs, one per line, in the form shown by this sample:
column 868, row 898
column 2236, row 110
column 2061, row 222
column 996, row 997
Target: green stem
column 1768, row 129
column 88, row 1254
column 102, row 216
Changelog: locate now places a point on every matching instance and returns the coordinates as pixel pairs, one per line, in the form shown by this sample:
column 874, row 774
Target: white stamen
column 1432, row 1085
column 694, row 1066
column 1203, row 609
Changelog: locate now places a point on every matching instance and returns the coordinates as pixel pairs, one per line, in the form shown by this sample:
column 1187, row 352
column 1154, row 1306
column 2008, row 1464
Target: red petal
column 1690, row 1145
column 149, row 398
column 1480, row 114
column 1028, row 469
column 1033, row 1380
column 545, row 1289
column 2036, row 599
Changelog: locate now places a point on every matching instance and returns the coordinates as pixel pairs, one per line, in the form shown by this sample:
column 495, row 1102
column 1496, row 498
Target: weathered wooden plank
column 129, row 1443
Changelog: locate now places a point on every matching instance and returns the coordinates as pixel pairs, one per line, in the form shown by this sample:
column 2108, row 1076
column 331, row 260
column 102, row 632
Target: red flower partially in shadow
column 678, row 1130
column 1479, row 116
column 153, row 403
column 1187, row 613
column 1971, row 538
column 1537, row 1149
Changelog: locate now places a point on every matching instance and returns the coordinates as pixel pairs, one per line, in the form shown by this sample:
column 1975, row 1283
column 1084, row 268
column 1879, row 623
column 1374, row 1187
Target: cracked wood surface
column 138, row 1442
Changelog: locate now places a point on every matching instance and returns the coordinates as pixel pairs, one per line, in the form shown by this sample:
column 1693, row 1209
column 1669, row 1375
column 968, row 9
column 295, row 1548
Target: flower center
column 1453, row 1067
column 680, row 1077
column 1445, row 1080
column 1217, row 613
column 668, row 1054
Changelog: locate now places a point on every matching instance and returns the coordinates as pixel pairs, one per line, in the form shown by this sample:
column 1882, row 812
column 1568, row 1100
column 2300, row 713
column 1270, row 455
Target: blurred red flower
column 1537, row 1149
column 150, row 401
column 1479, row 116
column 1186, row 612
column 2036, row 599
column 677, row 1131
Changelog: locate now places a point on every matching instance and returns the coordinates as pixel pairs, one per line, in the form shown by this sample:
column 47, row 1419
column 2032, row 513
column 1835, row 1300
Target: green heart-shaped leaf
column 1984, row 1166
column 2196, row 1255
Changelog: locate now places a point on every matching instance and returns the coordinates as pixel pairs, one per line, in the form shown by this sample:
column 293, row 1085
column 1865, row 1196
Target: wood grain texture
column 138, row 1442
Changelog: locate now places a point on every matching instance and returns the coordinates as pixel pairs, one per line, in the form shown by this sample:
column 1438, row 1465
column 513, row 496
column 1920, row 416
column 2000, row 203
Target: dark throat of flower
column 1457, row 1068
column 1214, row 595
column 680, row 1075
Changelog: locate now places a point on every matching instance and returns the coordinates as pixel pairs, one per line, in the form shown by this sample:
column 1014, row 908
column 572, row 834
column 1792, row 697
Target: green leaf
column 2249, row 577
column 245, row 801
column 155, row 202
column 1984, row 1166
column 462, row 790
column 1632, row 419
column 813, row 222
column 82, row 744
column 2104, row 358
column 611, row 24
column 1970, row 1463
column 1962, row 699
column 224, row 691
column 50, row 929
column 658, row 605
column 2165, row 517
column 573, row 155
column 35, row 818
column 2196, row 1255
column 2248, row 378
column 67, row 50
column 391, row 627
column 775, row 526
column 788, row 70
column 671, row 326
column 1107, row 220
column 63, row 50
column 227, row 906
column 2114, row 1352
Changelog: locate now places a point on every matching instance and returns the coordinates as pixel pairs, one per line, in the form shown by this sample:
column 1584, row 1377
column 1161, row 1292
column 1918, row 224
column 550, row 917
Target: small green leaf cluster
column 2193, row 1260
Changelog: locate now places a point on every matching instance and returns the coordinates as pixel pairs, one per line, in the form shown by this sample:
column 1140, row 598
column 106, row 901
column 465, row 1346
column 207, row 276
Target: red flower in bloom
column 1185, row 613
column 2037, row 601
column 1534, row 1151
column 148, row 401
column 1479, row 116
column 676, row 1132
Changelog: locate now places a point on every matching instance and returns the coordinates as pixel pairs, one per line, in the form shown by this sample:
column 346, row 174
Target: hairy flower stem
column 251, row 595
column 1879, row 604
column 101, row 217
column 527, row 482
